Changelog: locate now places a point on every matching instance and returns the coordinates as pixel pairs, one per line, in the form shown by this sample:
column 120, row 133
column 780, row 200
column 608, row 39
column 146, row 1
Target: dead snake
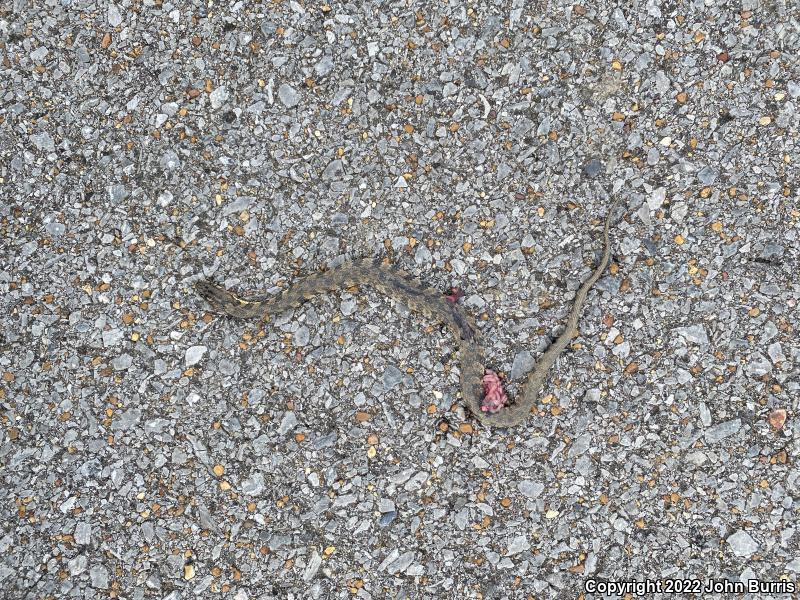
column 476, row 381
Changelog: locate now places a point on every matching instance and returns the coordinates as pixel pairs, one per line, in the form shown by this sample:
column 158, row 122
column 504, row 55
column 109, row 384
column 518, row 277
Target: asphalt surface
column 152, row 449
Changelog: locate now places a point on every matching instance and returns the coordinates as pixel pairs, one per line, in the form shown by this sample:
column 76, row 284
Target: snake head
column 494, row 397
column 213, row 294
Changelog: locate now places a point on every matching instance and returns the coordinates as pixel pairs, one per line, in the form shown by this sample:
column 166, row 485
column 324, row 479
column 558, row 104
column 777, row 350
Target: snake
column 481, row 388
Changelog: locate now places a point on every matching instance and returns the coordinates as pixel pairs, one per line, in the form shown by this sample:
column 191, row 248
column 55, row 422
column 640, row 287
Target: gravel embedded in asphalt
column 151, row 449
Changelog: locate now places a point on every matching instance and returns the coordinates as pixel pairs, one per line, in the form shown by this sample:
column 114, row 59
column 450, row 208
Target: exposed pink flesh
column 454, row 295
column 494, row 398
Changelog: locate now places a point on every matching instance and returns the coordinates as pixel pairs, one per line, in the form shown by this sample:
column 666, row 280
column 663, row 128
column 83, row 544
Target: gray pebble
column 392, row 376
column 348, row 306
column 288, row 423
column 127, row 419
column 387, row 518
column 334, row 170
column 43, row 141
column 112, row 337
column 693, row 333
column 301, row 336
column 522, row 365
column 218, row 97
column 114, row 16
column 707, row 175
column 325, row 441
column 254, row 485
column 519, row 544
column 459, row 266
column 77, row 565
column 122, row 362
column 475, row 301
column 165, row 198
column 288, row 95
column 722, row 430
column 422, row 256
column 531, row 489
column 742, row 544
column 656, row 199
column 663, row 82
column 345, row 500
column 156, row 425
column 324, row 66
column 679, row 211
column 237, row 206
column 697, row 458
column 757, row 365
column 705, row 414
column 170, row 161
column 593, row 167
column 775, row 352
column 401, row 564
column 255, row 395
column 99, row 577
column 769, row 332
column 591, row 396
column 83, row 533
column 227, row 367
column 39, row 54
column 117, row 192
column 312, row 567
column 55, row 229
column 580, row 445
column 392, row 556
column 461, row 519
column 194, row 354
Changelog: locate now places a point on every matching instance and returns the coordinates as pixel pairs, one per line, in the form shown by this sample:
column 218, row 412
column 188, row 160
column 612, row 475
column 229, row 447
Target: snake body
column 398, row 284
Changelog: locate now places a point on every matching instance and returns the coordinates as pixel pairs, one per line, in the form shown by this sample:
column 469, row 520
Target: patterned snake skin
column 400, row 285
